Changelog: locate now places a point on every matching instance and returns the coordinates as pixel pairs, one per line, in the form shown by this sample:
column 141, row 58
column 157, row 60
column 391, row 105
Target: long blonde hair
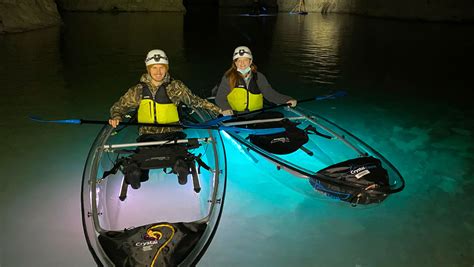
column 233, row 75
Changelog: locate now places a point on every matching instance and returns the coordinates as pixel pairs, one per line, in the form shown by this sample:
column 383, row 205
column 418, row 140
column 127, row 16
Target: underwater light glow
column 241, row 148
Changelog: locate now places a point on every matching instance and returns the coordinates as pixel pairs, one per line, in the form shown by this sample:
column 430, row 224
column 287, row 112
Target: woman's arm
column 222, row 91
column 269, row 93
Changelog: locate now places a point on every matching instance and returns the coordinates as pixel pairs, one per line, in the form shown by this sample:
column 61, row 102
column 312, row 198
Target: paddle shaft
column 339, row 93
column 211, row 124
column 134, row 123
column 272, row 107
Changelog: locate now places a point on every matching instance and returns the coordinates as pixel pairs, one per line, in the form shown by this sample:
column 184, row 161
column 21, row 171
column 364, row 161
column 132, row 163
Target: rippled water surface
column 409, row 90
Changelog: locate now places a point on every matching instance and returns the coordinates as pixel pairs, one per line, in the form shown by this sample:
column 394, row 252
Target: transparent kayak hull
column 330, row 145
column 162, row 223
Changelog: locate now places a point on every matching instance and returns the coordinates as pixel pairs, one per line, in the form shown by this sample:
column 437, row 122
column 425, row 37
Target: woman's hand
column 227, row 112
column 292, row 102
column 114, row 122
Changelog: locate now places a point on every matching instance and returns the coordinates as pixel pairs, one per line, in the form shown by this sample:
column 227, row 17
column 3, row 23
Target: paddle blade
column 67, row 121
column 332, row 96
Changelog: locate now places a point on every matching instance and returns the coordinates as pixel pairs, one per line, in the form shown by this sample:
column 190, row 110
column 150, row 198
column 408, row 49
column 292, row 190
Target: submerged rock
column 410, row 139
column 25, row 15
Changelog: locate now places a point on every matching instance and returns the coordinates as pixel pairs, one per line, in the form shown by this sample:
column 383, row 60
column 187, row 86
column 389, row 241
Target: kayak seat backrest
column 361, row 180
column 175, row 157
column 161, row 156
column 285, row 142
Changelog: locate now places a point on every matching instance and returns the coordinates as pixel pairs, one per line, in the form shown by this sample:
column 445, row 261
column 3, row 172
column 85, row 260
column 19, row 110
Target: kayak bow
column 141, row 227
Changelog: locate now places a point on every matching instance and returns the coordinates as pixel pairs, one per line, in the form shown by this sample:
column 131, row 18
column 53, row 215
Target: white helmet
column 242, row 51
column 156, row 56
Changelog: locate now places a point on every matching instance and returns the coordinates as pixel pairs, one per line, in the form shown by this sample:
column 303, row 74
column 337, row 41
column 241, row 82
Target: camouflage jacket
column 177, row 92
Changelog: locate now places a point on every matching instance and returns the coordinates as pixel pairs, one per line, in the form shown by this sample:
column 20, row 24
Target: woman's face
column 242, row 63
column 158, row 72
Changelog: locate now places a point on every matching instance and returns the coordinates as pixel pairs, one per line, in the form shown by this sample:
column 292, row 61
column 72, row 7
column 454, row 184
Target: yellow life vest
column 242, row 98
column 159, row 109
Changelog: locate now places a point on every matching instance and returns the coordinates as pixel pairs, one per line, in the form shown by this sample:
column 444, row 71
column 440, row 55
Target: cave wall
column 25, row 15
column 122, row 5
column 431, row 10
column 247, row 3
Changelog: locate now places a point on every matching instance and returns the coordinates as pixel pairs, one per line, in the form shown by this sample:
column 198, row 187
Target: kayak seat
column 285, row 142
column 175, row 157
column 360, row 180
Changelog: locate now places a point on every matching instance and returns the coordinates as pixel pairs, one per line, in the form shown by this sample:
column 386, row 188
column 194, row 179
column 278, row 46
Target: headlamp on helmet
column 156, row 56
column 242, row 51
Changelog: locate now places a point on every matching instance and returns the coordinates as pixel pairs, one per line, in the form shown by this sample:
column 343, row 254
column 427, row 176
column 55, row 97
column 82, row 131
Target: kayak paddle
column 329, row 96
column 210, row 124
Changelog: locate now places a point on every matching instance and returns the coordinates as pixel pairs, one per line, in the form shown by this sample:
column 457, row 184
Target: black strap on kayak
column 307, row 151
column 123, row 190
column 311, row 129
column 114, row 169
column 201, row 163
column 165, row 170
column 196, row 185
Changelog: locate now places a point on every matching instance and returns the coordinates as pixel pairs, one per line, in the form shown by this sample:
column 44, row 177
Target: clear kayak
column 169, row 217
column 327, row 158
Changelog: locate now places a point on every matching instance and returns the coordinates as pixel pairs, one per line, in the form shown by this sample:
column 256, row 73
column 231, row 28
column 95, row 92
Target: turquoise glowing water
column 408, row 86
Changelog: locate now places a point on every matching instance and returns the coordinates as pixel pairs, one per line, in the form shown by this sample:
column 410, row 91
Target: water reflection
column 92, row 45
column 27, row 59
column 312, row 43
